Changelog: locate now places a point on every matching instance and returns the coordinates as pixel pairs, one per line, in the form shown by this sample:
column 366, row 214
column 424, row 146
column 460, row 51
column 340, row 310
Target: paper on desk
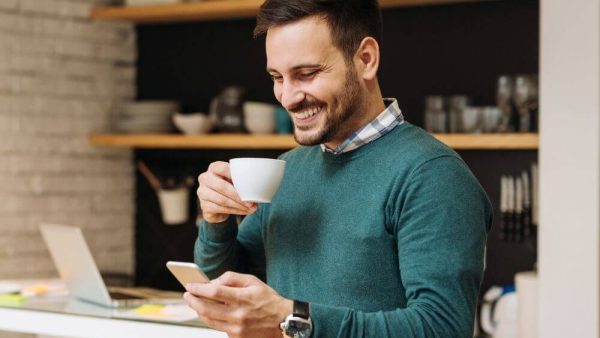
column 12, row 300
column 39, row 288
column 7, row 287
column 168, row 313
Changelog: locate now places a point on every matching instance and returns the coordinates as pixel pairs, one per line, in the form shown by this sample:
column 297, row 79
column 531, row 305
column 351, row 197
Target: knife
column 510, row 198
column 526, row 216
column 518, row 228
column 503, row 208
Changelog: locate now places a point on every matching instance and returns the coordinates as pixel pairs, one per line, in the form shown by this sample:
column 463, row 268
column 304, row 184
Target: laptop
column 78, row 270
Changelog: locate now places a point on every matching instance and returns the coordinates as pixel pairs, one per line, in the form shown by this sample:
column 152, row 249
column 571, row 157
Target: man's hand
column 240, row 305
column 218, row 197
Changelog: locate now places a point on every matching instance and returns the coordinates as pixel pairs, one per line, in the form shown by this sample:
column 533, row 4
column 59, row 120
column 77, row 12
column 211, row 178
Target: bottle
column 504, row 101
column 228, row 109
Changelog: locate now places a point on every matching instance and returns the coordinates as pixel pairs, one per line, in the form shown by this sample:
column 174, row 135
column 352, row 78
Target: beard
column 347, row 105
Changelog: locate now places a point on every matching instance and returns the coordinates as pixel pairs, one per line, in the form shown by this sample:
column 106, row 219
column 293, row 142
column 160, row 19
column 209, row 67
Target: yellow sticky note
column 35, row 290
column 150, row 310
column 12, row 300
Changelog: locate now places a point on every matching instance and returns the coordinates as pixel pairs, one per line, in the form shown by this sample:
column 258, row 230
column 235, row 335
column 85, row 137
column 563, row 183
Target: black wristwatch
column 298, row 324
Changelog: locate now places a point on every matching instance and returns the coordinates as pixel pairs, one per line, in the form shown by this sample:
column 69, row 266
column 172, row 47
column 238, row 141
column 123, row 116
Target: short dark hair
column 350, row 21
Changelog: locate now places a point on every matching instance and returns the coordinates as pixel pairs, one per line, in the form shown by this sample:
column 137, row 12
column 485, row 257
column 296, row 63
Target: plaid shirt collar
column 381, row 125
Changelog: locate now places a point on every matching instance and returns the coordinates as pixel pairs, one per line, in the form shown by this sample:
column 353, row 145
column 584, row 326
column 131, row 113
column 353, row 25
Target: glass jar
column 435, row 115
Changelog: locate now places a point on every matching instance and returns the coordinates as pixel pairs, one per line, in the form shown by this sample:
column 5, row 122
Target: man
column 377, row 230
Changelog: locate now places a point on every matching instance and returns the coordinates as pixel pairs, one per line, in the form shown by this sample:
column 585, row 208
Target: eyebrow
column 300, row 66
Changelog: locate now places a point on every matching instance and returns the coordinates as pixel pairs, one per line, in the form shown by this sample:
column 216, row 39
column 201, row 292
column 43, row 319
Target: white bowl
column 256, row 179
column 259, row 117
column 193, row 124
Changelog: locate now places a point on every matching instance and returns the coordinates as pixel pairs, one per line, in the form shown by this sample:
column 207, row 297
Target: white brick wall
column 61, row 75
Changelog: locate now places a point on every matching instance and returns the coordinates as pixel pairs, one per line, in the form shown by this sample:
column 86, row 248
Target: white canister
column 174, row 205
column 526, row 284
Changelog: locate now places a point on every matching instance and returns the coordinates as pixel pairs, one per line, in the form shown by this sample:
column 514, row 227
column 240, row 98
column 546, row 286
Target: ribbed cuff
column 218, row 232
column 326, row 319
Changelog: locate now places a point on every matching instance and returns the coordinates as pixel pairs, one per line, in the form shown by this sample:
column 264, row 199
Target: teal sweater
column 384, row 241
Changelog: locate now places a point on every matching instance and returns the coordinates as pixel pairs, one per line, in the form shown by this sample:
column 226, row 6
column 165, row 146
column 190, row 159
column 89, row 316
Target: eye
column 275, row 77
column 309, row 74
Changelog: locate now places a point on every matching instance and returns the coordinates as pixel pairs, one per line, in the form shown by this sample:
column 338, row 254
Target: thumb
column 235, row 279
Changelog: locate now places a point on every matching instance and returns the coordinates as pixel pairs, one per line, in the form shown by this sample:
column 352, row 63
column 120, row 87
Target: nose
column 291, row 95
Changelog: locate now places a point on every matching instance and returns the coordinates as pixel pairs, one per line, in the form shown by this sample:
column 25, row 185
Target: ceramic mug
column 256, row 179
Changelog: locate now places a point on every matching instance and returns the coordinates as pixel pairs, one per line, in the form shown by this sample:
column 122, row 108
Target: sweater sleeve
column 443, row 218
column 226, row 246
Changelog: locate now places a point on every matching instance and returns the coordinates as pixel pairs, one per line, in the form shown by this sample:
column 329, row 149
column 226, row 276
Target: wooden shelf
column 521, row 141
column 211, row 141
column 218, row 10
column 243, row 141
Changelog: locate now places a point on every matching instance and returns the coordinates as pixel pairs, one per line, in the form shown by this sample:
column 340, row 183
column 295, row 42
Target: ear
column 367, row 58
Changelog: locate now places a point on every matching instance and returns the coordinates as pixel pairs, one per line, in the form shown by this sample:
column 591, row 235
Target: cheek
column 327, row 89
column 277, row 91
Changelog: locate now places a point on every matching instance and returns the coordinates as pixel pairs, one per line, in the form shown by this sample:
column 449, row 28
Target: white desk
column 79, row 319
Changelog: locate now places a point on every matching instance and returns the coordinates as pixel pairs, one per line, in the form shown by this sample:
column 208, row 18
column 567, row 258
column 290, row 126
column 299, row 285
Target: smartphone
column 187, row 273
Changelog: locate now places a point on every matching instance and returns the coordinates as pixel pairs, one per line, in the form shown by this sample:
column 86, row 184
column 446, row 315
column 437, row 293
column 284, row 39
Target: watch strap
column 301, row 309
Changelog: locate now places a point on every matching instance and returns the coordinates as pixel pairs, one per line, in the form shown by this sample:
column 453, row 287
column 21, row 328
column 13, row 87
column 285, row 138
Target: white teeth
column 307, row 113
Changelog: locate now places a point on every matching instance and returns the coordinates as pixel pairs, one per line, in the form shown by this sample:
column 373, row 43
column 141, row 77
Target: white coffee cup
column 256, row 179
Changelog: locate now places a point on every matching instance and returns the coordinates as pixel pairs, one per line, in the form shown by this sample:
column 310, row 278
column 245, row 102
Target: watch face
column 298, row 329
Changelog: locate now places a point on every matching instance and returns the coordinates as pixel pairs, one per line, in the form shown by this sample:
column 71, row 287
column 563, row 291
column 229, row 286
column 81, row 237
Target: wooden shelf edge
column 211, row 141
column 244, row 141
column 218, row 10
column 198, row 11
column 519, row 141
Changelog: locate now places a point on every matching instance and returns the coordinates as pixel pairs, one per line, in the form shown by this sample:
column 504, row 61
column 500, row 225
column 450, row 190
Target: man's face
column 313, row 82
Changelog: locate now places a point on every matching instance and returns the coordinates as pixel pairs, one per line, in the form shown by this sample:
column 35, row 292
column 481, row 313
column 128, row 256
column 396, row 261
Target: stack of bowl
column 259, row 117
column 146, row 117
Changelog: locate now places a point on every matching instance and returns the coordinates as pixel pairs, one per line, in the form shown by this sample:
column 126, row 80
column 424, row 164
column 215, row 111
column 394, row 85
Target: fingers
column 216, row 292
column 208, row 308
column 220, row 168
column 217, row 195
column 235, row 279
column 214, row 201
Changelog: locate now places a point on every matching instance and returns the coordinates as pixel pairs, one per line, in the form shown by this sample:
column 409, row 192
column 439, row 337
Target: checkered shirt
column 381, row 125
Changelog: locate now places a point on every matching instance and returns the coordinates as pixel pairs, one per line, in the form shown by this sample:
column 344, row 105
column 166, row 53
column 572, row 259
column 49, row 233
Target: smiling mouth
column 308, row 113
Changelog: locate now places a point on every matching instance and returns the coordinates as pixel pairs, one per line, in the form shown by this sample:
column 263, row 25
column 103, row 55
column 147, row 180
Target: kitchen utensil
column 517, row 234
column 145, row 116
column 526, row 216
column 472, row 120
column 149, row 107
column 491, row 119
column 227, row 111
column 152, row 179
column 503, row 207
column 456, row 106
column 435, row 116
column 174, row 205
column 259, row 117
column 510, row 224
column 525, row 99
column 499, row 316
column 256, row 179
column 504, row 102
column 527, row 287
column 193, row 124
column 534, row 194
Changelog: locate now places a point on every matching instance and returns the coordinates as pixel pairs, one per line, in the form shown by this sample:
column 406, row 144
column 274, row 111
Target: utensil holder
column 174, row 205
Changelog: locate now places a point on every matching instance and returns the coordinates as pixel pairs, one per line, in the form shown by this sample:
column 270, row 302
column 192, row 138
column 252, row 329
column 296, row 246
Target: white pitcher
column 499, row 312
